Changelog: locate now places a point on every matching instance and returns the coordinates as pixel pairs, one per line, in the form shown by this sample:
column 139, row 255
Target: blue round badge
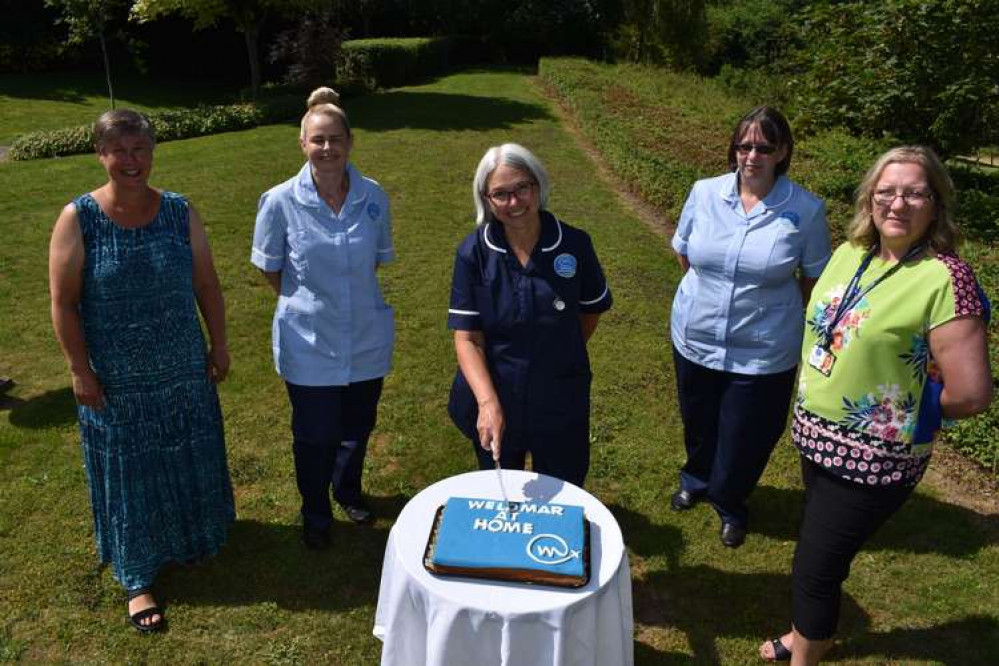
column 792, row 217
column 565, row 265
column 374, row 211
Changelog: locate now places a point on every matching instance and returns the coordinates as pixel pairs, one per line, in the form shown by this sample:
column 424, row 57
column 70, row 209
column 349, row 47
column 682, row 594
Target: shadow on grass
column 923, row 525
column 966, row 641
column 403, row 109
column 647, row 539
column 706, row 603
column 267, row 562
column 79, row 87
column 50, row 409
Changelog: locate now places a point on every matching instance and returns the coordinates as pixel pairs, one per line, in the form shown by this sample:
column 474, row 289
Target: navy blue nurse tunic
column 534, row 339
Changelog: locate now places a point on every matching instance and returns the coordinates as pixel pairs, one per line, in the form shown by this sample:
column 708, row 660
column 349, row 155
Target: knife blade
column 499, row 473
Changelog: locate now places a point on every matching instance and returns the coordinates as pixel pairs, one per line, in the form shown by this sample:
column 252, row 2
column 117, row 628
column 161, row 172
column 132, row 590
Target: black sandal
column 781, row 653
column 137, row 619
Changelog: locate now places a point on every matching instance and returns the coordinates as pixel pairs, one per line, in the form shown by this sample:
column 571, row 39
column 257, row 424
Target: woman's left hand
column 218, row 364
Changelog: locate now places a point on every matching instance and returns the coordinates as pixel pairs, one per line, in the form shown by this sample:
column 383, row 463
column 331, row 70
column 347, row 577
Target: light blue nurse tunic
column 331, row 326
column 738, row 309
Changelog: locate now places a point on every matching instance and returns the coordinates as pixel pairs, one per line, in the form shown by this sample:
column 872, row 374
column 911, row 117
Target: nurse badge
column 559, row 304
column 565, row 266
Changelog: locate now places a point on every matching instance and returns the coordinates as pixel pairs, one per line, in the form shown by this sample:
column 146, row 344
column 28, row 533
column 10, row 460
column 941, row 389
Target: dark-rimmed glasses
column 502, row 197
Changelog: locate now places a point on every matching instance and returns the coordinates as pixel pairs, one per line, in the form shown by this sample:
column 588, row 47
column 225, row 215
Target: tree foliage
column 920, row 71
column 90, row 19
column 248, row 16
column 670, row 32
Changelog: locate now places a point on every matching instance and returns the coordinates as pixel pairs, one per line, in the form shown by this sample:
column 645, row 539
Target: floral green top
column 872, row 418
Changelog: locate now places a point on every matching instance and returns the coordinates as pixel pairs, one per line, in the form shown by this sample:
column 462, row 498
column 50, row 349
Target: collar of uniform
column 550, row 238
column 306, row 194
column 778, row 195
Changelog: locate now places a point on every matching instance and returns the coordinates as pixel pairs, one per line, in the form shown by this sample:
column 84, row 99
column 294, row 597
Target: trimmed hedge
column 391, row 62
column 169, row 126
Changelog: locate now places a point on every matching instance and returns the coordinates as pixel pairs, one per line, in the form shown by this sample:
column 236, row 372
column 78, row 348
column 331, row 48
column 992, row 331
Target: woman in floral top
column 895, row 340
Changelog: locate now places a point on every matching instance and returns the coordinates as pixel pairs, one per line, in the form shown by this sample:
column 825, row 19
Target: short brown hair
column 113, row 124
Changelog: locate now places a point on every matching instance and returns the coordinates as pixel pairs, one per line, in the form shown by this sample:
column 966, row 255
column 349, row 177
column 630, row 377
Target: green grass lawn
column 924, row 592
column 32, row 102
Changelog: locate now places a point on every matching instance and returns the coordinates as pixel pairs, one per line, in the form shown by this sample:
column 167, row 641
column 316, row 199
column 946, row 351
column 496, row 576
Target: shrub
column 925, row 72
column 390, row 62
column 169, row 126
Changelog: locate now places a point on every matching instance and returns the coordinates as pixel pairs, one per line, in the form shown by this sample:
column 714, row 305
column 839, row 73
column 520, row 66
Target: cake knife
column 499, row 474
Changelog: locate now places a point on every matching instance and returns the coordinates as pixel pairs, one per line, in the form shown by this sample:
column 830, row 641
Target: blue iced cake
column 528, row 542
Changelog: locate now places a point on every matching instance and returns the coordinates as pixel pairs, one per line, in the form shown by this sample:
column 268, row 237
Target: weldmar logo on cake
column 550, row 549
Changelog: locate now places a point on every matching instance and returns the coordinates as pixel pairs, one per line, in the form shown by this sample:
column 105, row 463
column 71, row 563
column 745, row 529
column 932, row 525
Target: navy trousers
column 731, row 423
column 331, row 426
column 566, row 460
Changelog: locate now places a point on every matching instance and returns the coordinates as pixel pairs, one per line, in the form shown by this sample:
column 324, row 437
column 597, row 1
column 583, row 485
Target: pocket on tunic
column 297, row 325
column 378, row 332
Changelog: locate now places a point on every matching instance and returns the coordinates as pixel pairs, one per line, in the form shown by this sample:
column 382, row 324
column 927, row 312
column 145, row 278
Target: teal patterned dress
column 155, row 455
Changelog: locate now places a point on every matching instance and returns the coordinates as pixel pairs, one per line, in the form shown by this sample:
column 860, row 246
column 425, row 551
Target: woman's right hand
column 490, row 426
column 87, row 389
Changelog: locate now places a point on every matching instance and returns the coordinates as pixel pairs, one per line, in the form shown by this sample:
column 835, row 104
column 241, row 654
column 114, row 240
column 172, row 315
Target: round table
column 424, row 619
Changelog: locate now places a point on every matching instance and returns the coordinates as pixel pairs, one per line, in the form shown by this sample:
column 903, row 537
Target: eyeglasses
column 914, row 198
column 761, row 148
column 502, row 197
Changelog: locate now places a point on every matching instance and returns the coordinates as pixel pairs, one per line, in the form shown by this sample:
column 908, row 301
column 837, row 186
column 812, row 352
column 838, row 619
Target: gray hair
column 113, row 124
column 512, row 155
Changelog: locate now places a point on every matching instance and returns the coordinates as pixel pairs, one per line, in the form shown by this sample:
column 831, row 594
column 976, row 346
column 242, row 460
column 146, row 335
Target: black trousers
column 839, row 517
column 331, row 426
column 731, row 423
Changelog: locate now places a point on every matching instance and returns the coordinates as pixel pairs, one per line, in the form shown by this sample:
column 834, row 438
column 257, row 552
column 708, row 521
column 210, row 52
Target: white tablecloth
column 442, row 621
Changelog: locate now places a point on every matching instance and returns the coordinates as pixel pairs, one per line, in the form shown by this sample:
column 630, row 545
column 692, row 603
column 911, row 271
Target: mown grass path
column 924, row 592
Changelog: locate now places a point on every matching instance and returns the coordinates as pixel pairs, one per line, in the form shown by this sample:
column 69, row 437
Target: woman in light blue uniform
column 526, row 296
column 319, row 238
column 751, row 244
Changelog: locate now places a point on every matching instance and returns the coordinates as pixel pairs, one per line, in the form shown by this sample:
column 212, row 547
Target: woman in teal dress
column 129, row 268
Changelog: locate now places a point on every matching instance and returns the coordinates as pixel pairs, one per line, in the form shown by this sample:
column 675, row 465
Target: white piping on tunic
column 485, row 237
column 558, row 240
column 597, row 299
column 466, row 313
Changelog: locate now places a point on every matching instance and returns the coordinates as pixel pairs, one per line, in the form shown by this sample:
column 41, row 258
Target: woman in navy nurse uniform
column 751, row 244
column 527, row 293
column 318, row 239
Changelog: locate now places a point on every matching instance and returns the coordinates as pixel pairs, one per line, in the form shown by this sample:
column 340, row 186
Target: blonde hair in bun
column 325, row 101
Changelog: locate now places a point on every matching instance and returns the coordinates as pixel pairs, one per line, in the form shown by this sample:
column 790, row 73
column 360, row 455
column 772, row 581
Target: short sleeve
column 960, row 296
column 686, row 223
column 269, row 235
column 817, row 248
column 463, row 311
column 386, row 250
column 594, row 293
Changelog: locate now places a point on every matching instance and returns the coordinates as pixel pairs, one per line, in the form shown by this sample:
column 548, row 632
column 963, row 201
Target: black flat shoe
column 683, row 500
column 316, row 539
column 359, row 514
column 732, row 535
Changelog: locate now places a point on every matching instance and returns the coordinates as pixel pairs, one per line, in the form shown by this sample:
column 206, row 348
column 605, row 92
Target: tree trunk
column 107, row 65
column 251, row 33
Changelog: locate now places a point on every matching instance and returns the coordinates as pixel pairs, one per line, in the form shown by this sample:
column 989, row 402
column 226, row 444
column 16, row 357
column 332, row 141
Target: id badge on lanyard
column 822, row 359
